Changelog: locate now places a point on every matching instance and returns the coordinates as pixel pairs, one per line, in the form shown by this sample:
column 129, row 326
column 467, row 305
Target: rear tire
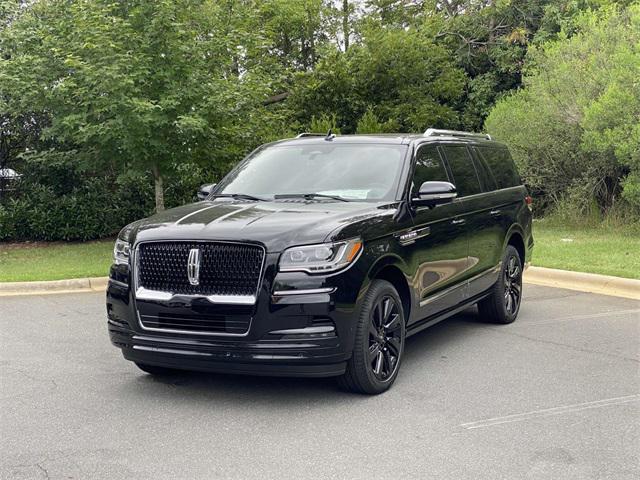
column 379, row 343
column 503, row 304
column 155, row 370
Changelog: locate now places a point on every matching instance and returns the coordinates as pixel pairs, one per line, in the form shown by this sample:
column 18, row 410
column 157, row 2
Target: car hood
column 277, row 225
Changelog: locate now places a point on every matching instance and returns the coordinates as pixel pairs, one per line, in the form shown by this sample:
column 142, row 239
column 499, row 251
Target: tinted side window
column 501, row 164
column 464, row 173
column 486, row 177
column 429, row 167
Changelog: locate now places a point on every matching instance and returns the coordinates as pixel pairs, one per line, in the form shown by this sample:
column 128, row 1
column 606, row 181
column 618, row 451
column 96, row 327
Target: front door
column 436, row 246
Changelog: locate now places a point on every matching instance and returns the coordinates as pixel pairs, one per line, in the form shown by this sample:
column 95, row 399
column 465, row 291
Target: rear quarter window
column 499, row 161
column 484, row 172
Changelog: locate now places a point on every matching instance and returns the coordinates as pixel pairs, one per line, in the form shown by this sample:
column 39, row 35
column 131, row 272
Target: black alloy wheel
column 512, row 285
column 379, row 341
column 503, row 302
column 385, row 338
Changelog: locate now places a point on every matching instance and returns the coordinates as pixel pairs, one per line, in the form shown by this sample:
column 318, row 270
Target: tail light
column 529, row 201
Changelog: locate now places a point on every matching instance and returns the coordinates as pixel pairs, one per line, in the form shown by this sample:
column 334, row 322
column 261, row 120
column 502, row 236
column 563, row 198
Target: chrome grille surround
column 247, row 299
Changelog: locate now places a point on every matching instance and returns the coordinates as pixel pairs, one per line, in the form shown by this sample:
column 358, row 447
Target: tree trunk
column 345, row 23
column 157, row 179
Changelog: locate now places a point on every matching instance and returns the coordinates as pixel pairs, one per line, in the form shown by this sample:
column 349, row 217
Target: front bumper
column 305, row 334
column 297, row 359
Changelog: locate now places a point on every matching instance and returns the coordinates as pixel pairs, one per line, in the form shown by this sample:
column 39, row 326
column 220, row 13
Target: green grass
column 607, row 250
column 602, row 249
column 22, row 262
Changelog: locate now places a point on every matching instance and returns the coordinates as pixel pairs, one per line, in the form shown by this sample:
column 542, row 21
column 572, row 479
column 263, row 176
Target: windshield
column 350, row 171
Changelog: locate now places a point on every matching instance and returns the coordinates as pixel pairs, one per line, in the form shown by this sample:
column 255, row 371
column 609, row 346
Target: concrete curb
column 548, row 277
column 72, row 285
column 584, row 282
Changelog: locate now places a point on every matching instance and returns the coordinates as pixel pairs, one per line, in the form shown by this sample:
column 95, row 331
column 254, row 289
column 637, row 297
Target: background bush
column 58, row 198
column 574, row 129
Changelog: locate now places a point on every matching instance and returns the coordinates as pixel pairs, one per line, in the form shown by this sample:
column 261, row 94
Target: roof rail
column 307, row 134
column 328, row 137
column 435, row 132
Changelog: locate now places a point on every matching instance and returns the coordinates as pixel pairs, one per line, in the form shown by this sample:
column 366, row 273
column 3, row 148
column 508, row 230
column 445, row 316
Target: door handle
column 494, row 213
column 458, row 221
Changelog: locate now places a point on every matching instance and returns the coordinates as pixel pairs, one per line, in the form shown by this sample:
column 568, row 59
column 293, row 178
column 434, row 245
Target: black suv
column 317, row 256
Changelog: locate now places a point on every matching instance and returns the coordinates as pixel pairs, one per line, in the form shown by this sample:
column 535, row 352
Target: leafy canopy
column 575, row 126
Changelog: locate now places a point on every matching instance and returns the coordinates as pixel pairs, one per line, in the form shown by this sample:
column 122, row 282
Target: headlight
column 321, row 258
column 121, row 252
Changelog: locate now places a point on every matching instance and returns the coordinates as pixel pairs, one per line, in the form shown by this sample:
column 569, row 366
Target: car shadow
column 286, row 392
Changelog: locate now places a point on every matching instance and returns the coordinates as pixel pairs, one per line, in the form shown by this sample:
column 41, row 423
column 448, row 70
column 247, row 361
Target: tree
column 575, row 126
column 409, row 81
column 148, row 84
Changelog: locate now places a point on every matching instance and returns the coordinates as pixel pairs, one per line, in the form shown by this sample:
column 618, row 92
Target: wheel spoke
column 388, row 362
column 373, row 332
column 514, row 274
column 514, row 302
column 512, row 265
column 373, row 351
column 509, row 301
column 517, row 289
column 394, row 323
column 377, row 315
column 393, row 343
column 378, row 368
column 387, row 310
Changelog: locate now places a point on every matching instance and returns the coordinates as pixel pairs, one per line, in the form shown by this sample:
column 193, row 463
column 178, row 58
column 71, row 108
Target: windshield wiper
column 310, row 196
column 242, row 196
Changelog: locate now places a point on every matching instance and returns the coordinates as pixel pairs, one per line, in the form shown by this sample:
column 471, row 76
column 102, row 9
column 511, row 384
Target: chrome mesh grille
column 225, row 268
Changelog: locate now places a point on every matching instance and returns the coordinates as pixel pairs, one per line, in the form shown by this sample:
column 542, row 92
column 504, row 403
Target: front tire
column 379, row 342
column 503, row 304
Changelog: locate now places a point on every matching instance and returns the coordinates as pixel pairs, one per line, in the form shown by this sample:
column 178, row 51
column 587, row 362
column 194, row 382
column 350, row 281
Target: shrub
column 574, row 129
column 59, row 199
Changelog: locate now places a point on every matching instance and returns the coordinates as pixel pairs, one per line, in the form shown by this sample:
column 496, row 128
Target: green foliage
column 323, row 124
column 100, row 94
column 574, row 129
column 369, row 123
column 60, row 199
column 412, row 79
column 149, row 84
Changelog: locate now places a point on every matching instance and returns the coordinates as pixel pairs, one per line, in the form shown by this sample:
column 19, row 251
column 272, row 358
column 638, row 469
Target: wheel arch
column 390, row 269
column 515, row 238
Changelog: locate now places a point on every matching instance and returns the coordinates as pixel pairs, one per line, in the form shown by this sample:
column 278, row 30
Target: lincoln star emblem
column 193, row 266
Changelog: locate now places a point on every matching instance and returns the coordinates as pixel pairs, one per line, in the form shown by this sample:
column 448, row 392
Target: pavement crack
column 43, row 470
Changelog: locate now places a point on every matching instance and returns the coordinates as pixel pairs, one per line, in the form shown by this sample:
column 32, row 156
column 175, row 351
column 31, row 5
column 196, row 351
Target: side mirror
column 435, row 193
column 205, row 190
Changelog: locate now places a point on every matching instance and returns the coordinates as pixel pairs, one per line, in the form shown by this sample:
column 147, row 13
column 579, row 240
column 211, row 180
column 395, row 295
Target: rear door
column 494, row 163
column 478, row 210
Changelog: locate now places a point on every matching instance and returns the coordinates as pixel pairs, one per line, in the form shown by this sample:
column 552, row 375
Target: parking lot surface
column 555, row 395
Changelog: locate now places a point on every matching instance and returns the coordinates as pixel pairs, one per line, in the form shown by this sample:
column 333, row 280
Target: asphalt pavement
column 555, row 395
